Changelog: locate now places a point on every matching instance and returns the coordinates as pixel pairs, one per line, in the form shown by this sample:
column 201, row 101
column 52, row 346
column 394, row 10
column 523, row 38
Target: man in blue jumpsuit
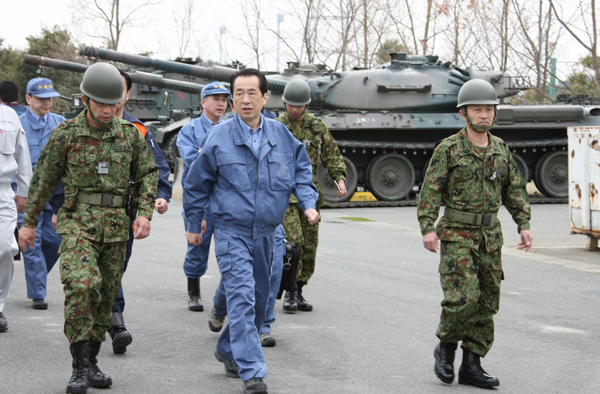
column 213, row 99
column 121, row 338
column 246, row 171
column 219, row 311
column 38, row 122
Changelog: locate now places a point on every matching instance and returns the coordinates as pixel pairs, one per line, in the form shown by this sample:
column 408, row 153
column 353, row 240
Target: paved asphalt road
column 376, row 295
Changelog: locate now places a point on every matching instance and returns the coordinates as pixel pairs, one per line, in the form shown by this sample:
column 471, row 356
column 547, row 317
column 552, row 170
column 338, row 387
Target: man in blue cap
column 38, row 122
column 213, row 99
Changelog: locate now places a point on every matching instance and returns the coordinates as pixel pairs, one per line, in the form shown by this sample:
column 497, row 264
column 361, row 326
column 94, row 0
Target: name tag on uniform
column 306, row 144
column 122, row 148
column 500, row 170
column 103, row 168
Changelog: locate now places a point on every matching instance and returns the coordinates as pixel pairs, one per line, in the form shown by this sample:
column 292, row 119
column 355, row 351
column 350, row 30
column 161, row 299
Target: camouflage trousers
column 470, row 280
column 305, row 236
column 91, row 273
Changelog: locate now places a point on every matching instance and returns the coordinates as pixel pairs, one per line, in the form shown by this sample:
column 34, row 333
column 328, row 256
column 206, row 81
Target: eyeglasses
column 102, row 105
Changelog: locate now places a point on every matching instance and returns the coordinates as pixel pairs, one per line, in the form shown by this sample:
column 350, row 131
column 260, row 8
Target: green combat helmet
column 477, row 92
column 296, row 93
column 102, row 82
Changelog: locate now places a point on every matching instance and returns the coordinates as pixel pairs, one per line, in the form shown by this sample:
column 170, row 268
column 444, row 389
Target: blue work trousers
column 220, row 302
column 40, row 260
column 196, row 258
column 276, row 274
column 120, row 304
column 245, row 265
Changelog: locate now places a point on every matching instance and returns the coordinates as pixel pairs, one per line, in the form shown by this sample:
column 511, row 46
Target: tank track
column 355, row 146
column 401, row 147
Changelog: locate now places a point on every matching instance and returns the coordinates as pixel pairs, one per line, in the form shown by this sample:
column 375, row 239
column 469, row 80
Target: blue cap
column 215, row 87
column 41, row 87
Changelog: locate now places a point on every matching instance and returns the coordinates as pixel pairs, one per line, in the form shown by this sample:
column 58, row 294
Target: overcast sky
column 26, row 17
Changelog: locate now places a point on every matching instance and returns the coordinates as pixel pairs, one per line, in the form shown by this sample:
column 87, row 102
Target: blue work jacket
column 248, row 195
column 189, row 139
column 36, row 134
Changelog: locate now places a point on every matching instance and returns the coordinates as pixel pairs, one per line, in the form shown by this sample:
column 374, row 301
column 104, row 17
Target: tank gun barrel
column 40, row 61
column 142, row 78
column 215, row 73
column 138, row 77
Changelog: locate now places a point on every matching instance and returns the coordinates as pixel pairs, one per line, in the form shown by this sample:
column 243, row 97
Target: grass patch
column 356, row 219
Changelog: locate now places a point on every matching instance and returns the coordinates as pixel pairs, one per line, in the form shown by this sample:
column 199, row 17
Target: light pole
column 222, row 31
column 279, row 20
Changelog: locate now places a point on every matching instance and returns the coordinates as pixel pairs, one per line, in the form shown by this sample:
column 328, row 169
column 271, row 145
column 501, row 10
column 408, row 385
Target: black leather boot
column 121, row 338
column 444, row 361
column 303, row 305
column 470, row 372
column 289, row 301
column 79, row 378
column 195, row 302
column 96, row 378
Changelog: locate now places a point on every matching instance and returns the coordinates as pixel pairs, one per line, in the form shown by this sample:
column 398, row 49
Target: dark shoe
column 303, row 305
column 255, row 386
column 231, row 368
column 215, row 321
column 266, row 340
column 79, row 378
column 470, row 372
column 96, row 378
column 289, row 302
column 195, row 302
column 3, row 323
column 121, row 338
column 40, row 303
column 444, row 361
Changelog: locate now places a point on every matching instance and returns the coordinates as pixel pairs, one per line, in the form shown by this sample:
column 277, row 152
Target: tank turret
column 406, row 83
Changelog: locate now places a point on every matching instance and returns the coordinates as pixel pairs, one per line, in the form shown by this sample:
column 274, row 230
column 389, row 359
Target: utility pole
column 279, row 20
column 552, row 87
column 222, row 31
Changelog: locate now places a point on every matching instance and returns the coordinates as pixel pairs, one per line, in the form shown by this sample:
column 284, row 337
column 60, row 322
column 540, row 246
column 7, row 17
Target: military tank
column 387, row 121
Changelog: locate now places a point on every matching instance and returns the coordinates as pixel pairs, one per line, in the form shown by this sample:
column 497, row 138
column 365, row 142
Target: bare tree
column 538, row 37
column 185, row 18
column 108, row 19
column 582, row 26
column 253, row 23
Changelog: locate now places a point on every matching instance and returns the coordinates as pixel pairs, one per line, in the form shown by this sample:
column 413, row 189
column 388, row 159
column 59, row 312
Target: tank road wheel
column 552, row 175
column 171, row 153
column 391, row 177
column 329, row 189
column 522, row 166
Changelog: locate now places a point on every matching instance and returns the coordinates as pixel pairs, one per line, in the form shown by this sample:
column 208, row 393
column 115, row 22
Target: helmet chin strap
column 104, row 125
column 476, row 127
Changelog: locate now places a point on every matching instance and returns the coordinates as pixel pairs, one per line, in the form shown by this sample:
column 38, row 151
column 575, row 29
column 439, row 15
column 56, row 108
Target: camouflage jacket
column 459, row 176
column 320, row 146
column 72, row 155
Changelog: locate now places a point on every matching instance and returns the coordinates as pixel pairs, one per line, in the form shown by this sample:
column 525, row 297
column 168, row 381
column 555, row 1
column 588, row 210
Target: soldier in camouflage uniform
column 321, row 148
column 93, row 155
column 472, row 173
